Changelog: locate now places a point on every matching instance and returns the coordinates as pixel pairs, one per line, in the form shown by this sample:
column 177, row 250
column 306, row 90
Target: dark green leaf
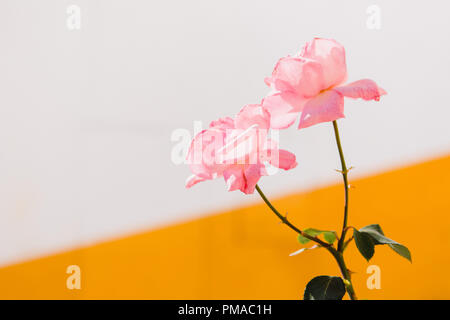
column 378, row 237
column 325, row 288
column 401, row 250
column 374, row 230
column 372, row 227
column 364, row 243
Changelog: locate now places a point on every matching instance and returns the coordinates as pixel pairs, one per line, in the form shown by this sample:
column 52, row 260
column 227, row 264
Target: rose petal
column 331, row 55
column 244, row 146
column 234, row 177
column 202, row 156
column 282, row 114
column 365, row 89
column 252, row 175
column 297, row 79
column 282, row 159
column 327, row 106
column 222, row 123
column 252, row 115
column 193, row 180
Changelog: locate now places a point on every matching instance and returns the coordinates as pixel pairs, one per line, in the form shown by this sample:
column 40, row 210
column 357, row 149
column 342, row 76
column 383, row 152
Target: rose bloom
column 238, row 150
column 312, row 83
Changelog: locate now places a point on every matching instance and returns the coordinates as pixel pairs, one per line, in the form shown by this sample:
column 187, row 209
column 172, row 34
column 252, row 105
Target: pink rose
column 237, row 150
column 312, row 83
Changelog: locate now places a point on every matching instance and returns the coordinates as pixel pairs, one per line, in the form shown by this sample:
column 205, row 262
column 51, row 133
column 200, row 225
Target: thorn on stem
column 336, row 235
column 344, row 171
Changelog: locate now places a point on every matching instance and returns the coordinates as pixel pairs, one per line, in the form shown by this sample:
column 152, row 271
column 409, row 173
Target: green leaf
column 313, row 232
column 364, row 243
column 324, row 288
column 401, row 250
column 329, row 236
column 302, row 239
column 378, row 237
column 374, row 230
column 372, row 227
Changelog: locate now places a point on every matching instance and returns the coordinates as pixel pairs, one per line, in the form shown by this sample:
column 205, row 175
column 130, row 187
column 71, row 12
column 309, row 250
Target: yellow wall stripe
column 243, row 254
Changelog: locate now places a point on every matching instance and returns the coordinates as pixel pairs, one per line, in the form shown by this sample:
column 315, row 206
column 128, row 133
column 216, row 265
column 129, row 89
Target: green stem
column 344, row 176
column 346, row 243
column 342, row 243
column 288, row 223
column 345, row 273
column 337, row 255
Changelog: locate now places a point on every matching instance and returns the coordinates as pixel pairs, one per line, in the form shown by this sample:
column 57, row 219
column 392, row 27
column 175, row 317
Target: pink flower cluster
column 309, row 84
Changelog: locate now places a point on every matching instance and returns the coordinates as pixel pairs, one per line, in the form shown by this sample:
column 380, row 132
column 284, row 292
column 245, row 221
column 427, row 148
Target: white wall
column 86, row 115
